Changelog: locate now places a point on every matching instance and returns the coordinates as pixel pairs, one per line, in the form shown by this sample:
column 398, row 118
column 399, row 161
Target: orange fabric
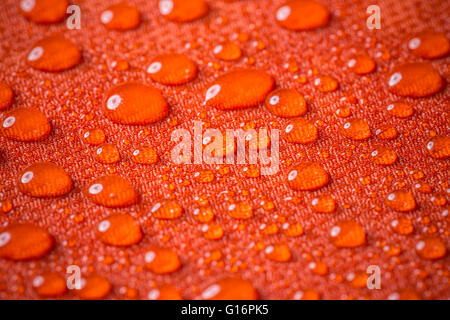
column 226, row 224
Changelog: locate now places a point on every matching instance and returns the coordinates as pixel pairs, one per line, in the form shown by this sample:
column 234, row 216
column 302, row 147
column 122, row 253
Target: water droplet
column 6, row 96
column 44, row 179
column 203, row 214
column 302, row 15
column 24, row 242
column 307, row 176
column 228, row 51
column 306, row 295
column 107, row 153
column 400, row 109
column 278, row 253
column 347, row 234
column 402, row 226
column 323, row 204
column 172, row 69
column 121, row 16
column 111, row 191
column 135, row 104
column 167, row 292
column 183, row 10
column 439, row 147
column 44, row 11
column 54, row 54
column 119, row 230
column 401, row 200
column 387, row 132
column 429, row 45
column 162, row 261
column 239, row 89
column 326, row 83
column 286, row 103
column 204, row 176
column 417, row 80
column 234, row 288
column 94, row 287
column 301, row 131
column 356, row 129
column 240, row 210
column 212, row 231
column 318, row 267
column 167, row 209
column 383, row 156
column 94, row 136
column 25, row 124
column 293, row 230
column 145, row 155
column 361, row 64
column 49, row 285
column 431, row 248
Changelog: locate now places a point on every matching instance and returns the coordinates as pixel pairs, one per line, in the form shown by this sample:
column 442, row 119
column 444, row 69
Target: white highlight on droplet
column 390, row 107
column 211, row 291
column 292, row 175
column 335, row 231
column 165, row 7
column 4, row 238
column 212, row 92
column 104, row 225
column 420, row 245
column 114, row 102
column 27, row 176
column 38, row 281
column 351, row 63
column 154, row 67
column 27, row 5
column 136, row 152
column 269, row 249
column 150, row 256
column 283, row 13
column 95, row 188
column 156, row 207
column 36, row 53
column 289, row 128
column 9, row 122
column 107, row 16
column 217, row 49
column 430, row 145
column 391, row 196
column 153, row 294
column 394, row 79
column 274, row 100
column 347, row 125
column 414, row 43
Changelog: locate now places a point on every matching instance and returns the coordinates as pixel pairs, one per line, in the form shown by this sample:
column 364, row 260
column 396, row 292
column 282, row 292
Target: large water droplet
column 25, row 124
column 136, row 104
column 53, row 54
column 44, row 179
column 286, row 103
column 239, row 89
column 24, row 242
column 302, row 15
column 417, row 80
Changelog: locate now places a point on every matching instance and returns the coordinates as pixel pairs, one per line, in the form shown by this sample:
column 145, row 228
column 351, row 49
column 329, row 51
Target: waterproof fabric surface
column 72, row 100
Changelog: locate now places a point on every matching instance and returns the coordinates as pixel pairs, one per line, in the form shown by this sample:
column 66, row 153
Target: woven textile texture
column 306, row 262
